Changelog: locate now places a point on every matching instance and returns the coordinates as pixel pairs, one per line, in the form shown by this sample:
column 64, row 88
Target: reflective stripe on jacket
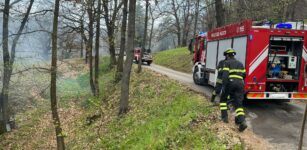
column 233, row 69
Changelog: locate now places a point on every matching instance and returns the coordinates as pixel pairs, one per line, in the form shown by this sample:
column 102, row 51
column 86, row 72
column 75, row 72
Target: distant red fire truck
column 275, row 59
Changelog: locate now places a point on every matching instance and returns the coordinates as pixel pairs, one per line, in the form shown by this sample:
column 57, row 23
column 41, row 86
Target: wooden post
column 302, row 130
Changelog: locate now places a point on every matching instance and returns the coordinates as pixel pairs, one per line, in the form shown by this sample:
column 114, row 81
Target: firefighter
column 233, row 84
column 218, row 84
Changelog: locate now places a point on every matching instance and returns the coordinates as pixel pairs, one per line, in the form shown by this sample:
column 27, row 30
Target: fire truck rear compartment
column 281, row 86
column 283, row 69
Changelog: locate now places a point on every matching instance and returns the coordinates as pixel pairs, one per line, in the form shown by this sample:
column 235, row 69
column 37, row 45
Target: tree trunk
column 86, row 55
column 209, row 16
column 110, row 20
column 89, row 47
column 185, row 34
column 186, row 25
column 84, row 39
column 178, row 39
column 84, row 36
column 53, row 94
column 292, row 16
column 152, row 26
column 178, row 26
column 151, row 33
column 97, row 48
column 124, row 97
column 120, row 62
column 219, row 9
column 6, row 60
column 81, row 49
column 228, row 12
column 112, row 47
column 196, row 17
column 240, row 10
column 284, row 12
column 144, row 38
column 9, row 61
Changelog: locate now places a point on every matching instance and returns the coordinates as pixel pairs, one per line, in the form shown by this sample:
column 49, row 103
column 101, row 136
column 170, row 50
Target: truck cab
column 147, row 57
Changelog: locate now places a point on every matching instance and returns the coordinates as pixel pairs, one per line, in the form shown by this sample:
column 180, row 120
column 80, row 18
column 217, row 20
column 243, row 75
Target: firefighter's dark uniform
column 218, row 84
column 233, row 85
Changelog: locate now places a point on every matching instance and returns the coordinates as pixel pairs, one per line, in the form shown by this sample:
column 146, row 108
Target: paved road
column 278, row 123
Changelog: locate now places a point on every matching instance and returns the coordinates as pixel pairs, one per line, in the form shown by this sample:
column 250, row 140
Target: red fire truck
column 275, row 59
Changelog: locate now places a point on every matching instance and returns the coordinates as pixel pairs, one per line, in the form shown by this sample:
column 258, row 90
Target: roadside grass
column 178, row 59
column 163, row 114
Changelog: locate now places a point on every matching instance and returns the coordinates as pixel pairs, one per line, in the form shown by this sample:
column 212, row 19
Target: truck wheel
column 195, row 78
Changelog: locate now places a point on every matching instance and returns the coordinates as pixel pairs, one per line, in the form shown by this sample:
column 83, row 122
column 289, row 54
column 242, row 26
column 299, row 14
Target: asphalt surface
column 278, row 123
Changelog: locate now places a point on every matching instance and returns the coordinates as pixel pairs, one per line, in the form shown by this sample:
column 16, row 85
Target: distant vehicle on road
column 147, row 57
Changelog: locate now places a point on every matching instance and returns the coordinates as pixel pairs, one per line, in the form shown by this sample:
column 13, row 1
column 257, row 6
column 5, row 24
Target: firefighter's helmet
column 230, row 51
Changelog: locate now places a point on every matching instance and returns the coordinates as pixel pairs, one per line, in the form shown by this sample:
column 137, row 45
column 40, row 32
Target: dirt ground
column 229, row 132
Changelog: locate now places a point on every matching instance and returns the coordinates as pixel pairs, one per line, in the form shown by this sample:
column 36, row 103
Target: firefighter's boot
column 240, row 120
column 242, row 126
column 237, row 121
column 212, row 98
column 223, row 108
column 224, row 116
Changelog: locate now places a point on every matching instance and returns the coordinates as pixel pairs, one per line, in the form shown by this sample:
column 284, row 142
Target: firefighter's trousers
column 217, row 89
column 235, row 89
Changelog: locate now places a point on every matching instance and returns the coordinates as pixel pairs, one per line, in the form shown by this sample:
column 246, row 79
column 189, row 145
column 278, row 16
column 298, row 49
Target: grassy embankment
column 163, row 115
column 178, row 59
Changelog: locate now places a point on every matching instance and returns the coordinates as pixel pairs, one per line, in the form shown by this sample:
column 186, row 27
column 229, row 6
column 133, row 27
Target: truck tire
column 196, row 80
column 201, row 81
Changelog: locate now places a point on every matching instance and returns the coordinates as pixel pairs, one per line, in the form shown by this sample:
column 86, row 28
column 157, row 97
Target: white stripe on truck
column 258, row 60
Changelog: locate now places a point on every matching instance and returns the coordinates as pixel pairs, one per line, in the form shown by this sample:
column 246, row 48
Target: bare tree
column 111, row 9
column 89, row 46
column 124, row 97
column 220, row 15
column 151, row 27
column 8, row 61
column 175, row 9
column 84, row 38
column 144, row 37
column 186, row 22
column 81, row 47
column 153, row 18
column 209, row 16
column 119, row 71
column 74, row 20
column 98, row 14
column 178, row 20
column 53, row 94
column 196, row 17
